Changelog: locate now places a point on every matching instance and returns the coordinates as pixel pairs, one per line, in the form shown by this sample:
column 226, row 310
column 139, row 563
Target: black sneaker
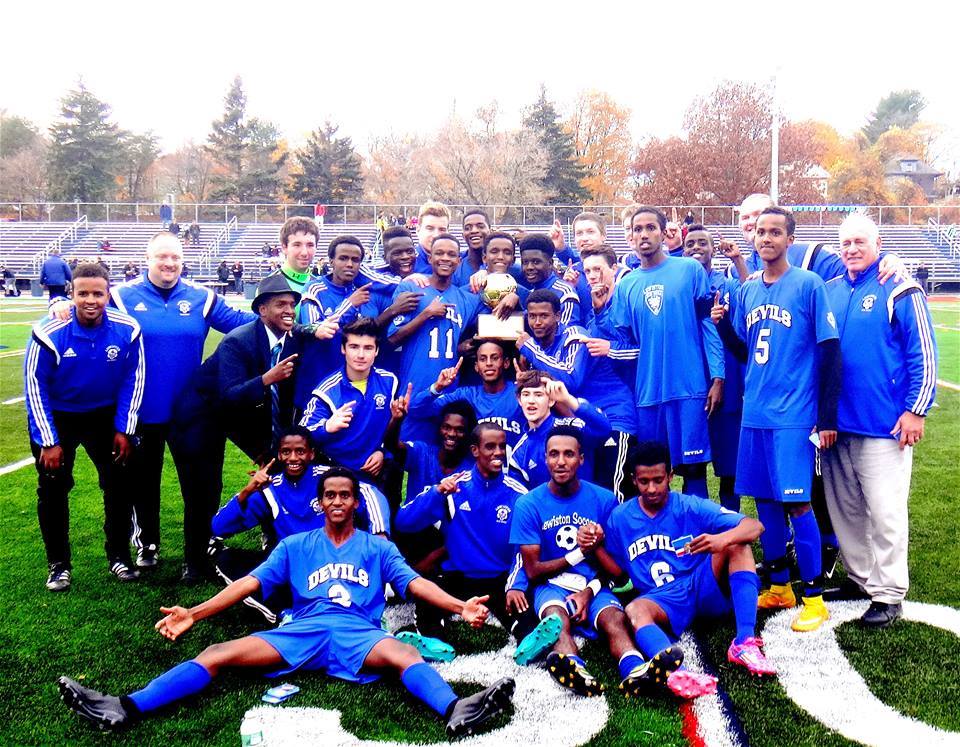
column 106, row 712
column 469, row 714
column 191, row 575
column 122, row 571
column 59, row 577
column 148, row 557
column 881, row 615
column 572, row 675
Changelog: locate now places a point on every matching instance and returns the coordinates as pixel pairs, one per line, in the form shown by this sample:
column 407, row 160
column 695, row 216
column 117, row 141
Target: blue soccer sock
column 696, row 486
column 425, row 683
column 628, row 662
column 774, row 537
column 651, row 640
column 744, row 590
column 185, row 679
column 829, row 539
column 576, row 658
column 806, row 538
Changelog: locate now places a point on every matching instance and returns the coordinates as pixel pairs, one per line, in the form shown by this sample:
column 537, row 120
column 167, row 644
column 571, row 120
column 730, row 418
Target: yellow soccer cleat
column 812, row 616
column 777, row 597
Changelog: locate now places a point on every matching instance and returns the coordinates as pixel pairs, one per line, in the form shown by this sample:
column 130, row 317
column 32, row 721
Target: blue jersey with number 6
column 643, row 546
column 782, row 324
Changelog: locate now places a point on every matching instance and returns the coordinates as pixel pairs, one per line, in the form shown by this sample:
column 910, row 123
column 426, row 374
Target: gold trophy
column 499, row 284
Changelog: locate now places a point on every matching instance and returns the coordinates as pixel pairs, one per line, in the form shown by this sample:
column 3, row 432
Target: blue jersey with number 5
column 433, row 347
column 781, row 324
column 643, row 546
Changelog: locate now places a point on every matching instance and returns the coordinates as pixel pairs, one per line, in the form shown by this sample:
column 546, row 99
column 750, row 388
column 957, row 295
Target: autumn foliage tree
column 601, row 135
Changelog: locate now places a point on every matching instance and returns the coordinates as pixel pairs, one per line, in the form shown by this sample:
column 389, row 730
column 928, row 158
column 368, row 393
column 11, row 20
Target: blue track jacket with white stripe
column 72, row 368
column 889, row 352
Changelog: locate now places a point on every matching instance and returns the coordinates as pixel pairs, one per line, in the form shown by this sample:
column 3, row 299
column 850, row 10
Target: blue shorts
column 550, row 595
column 776, row 464
column 682, row 424
column 696, row 595
column 725, row 441
column 335, row 644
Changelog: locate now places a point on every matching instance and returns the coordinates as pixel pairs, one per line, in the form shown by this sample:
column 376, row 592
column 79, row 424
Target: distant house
column 919, row 172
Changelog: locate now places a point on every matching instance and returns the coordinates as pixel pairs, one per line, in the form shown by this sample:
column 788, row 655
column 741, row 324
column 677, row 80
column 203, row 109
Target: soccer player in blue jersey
column 493, row 400
column 476, row 226
column 724, row 422
column 546, row 403
column 281, row 505
column 791, row 389
column 475, row 509
column 430, row 335
column 563, row 582
column 660, row 316
column 84, row 385
column 337, row 576
column 536, row 263
column 686, row 558
column 889, row 385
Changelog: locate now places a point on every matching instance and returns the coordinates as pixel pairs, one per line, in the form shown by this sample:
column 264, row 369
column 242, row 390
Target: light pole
column 775, row 143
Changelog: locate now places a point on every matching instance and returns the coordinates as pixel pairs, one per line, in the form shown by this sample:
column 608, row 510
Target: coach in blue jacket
column 889, row 384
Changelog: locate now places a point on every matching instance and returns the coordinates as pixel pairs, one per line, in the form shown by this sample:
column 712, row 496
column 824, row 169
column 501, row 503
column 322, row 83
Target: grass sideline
column 102, row 631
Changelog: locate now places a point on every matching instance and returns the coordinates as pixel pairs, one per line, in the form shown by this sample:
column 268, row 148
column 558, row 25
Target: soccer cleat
column 572, row 675
column 664, row 663
column 686, row 684
column 750, row 654
column 881, row 615
column 469, row 714
column 103, row 711
column 541, row 638
column 122, row 571
column 59, row 577
column 148, row 557
column 431, row 649
column 812, row 616
column 777, row 597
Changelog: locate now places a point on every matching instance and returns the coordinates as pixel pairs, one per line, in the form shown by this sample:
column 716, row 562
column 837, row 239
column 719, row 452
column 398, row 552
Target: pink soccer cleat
column 750, row 654
column 686, row 684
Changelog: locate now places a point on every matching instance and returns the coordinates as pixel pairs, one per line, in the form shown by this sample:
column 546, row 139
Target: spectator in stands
column 174, row 228
column 193, row 233
column 237, row 271
column 319, row 211
column 166, row 214
column 267, row 249
column 185, row 270
column 102, row 262
column 55, row 274
column 688, row 219
column 223, row 275
column 103, row 244
column 8, row 282
column 131, row 270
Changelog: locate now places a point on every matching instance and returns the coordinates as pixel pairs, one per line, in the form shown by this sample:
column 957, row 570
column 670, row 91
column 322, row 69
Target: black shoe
column 652, row 675
column 59, row 577
column 847, row 590
column 148, row 557
column 570, row 674
column 881, row 615
column 192, row 575
column 471, row 713
column 122, row 571
column 106, row 712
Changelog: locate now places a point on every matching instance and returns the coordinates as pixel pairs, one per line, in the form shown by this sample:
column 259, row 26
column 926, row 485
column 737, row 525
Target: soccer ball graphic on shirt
column 567, row 537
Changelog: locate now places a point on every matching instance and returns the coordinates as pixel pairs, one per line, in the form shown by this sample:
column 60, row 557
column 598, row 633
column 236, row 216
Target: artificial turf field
column 102, row 633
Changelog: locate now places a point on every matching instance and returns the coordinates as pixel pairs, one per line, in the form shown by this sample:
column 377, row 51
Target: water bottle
column 251, row 733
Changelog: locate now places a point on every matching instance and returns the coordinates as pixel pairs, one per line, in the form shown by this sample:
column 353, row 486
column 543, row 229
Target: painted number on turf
column 435, row 346
column 762, row 353
column 660, row 573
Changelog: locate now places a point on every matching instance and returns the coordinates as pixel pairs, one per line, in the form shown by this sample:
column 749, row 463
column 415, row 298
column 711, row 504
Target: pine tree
column 328, row 169
column 563, row 180
column 247, row 152
column 896, row 109
column 84, row 149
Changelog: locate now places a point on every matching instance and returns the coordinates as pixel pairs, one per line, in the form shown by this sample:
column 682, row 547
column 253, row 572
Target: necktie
column 275, row 393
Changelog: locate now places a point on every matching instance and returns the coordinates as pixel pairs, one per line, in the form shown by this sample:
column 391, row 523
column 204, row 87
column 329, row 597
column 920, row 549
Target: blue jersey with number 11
column 782, row 324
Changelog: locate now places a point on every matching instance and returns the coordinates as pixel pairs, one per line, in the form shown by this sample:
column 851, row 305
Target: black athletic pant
column 94, row 431
column 233, row 563
column 610, row 461
column 430, row 619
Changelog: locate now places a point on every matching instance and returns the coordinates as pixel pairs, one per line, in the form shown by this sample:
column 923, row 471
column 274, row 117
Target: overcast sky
column 376, row 67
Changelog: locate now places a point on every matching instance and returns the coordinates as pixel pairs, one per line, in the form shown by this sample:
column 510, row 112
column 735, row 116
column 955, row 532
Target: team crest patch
column 380, row 400
column 315, row 505
column 183, row 307
column 867, row 303
column 398, row 319
column 113, row 352
column 832, row 319
column 503, row 513
column 653, row 297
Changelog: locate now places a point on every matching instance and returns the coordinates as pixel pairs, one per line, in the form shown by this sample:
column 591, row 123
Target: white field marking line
column 35, row 310
column 948, row 385
column 713, row 722
column 544, row 715
column 13, row 401
column 14, row 466
column 946, row 328
column 818, row 677
column 12, row 353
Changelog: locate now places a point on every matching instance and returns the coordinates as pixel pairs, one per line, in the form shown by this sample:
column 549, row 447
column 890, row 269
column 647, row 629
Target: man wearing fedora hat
column 244, row 392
